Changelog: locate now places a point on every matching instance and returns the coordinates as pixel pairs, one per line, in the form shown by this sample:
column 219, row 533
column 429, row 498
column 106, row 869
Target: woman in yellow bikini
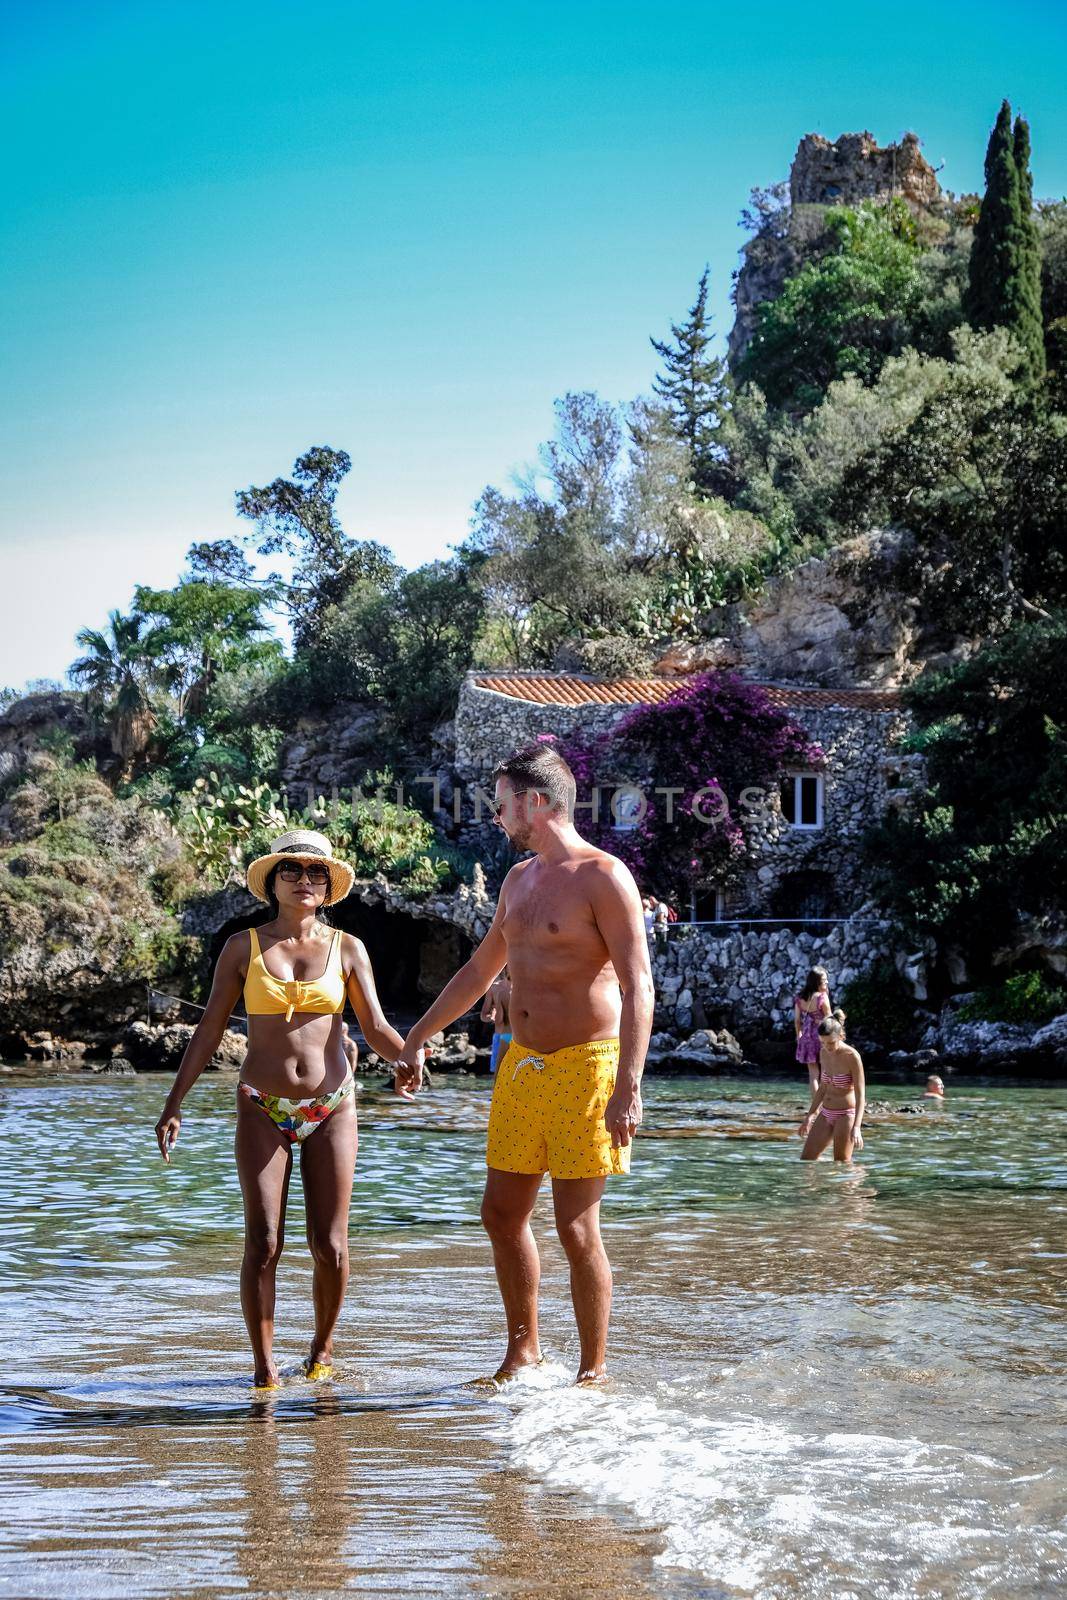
column 296, row 1086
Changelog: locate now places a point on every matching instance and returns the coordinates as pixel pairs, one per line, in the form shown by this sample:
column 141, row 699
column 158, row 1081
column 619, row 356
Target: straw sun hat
column 302, row 844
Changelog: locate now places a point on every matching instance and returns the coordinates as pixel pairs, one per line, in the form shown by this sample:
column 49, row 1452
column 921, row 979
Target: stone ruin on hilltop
column 824, row 173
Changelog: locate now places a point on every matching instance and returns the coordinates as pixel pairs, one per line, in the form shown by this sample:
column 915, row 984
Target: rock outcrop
column 969, row 1045
column 824, row 173
column 34, row 723
column 707, row 1050
column 856, row 167
column 1042, row 936
column 330, row 752
column 848, row 617
column 160, row 1049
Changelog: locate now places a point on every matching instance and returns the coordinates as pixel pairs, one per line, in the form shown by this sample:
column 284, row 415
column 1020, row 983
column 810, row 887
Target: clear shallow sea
column 828, row 1382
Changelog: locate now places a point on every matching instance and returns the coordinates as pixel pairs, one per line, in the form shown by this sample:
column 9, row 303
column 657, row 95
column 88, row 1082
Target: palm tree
column 115, row 674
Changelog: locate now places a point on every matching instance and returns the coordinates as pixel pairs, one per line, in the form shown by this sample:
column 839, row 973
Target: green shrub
column 223, row 825
column 878, row 1006
column 1024, row 997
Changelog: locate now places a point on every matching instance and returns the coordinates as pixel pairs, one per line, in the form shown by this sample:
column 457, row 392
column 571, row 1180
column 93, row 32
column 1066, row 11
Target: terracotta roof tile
column 563, row 689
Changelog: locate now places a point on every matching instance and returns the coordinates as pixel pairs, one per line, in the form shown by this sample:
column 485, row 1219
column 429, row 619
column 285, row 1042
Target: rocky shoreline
column 956, row 1049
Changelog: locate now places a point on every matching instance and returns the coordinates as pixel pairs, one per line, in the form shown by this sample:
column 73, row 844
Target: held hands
column 623, row 1114
column 407, row 1071
column 168, row 1128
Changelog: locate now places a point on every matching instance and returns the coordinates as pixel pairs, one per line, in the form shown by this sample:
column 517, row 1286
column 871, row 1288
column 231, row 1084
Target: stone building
column 803, row 859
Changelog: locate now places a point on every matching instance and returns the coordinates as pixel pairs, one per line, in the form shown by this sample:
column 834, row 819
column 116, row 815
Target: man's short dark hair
column 541, row 767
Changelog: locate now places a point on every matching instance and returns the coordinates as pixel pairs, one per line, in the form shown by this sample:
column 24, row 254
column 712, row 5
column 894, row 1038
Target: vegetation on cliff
column 89, row 884
column 223, row 825
column 978, row 863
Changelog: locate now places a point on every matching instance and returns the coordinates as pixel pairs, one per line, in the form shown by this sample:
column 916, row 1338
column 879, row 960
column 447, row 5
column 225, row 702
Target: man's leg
column 506, row 1207
column 577, row 1205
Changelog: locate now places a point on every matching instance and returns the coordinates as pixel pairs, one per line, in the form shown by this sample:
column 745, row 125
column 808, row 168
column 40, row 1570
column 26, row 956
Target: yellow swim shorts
column 548, row 1111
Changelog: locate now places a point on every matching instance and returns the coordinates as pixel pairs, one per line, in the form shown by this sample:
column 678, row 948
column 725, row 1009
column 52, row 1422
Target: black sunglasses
column 294, row 873
column 497, row 806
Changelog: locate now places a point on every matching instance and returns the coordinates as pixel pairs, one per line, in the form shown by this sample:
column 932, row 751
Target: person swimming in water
column 836, row 1110
column 296, row 1084
column 935, row 1088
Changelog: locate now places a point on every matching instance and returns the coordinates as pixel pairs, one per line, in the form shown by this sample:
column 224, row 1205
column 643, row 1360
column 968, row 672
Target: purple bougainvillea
column 713, row 738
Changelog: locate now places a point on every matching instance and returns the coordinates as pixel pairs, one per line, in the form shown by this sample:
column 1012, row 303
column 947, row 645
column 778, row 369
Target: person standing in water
column 495, row 1010
column 836, row 1109
column 810, row 1006
column 662, row 921
column 567, row 1096
column 350, row 1048
column 296, row 1084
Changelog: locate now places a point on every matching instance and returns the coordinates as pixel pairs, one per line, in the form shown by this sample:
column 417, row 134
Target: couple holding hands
column 567, row 1094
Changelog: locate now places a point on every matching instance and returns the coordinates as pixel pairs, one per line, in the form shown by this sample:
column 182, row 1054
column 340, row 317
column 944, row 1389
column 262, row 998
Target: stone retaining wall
column 743, row 980
column 747, row 979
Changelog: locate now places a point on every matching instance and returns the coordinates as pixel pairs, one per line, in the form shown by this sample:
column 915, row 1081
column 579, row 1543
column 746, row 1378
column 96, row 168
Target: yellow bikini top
column 265, row 995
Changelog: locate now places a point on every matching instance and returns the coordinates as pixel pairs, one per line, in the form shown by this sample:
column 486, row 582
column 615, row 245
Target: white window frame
column 624, row 819
column 820, row 801
column 720, row 904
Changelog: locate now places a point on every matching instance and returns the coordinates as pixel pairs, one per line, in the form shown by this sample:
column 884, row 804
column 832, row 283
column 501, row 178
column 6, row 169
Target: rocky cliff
column 847, row 619
column 824, row 173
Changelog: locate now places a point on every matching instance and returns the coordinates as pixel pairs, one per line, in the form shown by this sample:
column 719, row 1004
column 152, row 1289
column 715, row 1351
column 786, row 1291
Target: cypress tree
column 1005, row 274
column 1030, row 323
column 694, row 385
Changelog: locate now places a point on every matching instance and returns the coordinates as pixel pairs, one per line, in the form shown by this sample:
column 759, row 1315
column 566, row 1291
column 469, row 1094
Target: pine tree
column 694, row 385
column 1005, row 272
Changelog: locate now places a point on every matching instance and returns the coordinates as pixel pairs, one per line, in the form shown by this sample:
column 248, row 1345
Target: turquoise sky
column 231, row 231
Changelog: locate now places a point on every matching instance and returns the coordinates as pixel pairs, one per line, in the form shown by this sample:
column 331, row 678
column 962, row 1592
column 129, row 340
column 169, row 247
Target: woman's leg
column 843, row 1140
column 819, row 1135
column 264, row 1163
column 327, row 1166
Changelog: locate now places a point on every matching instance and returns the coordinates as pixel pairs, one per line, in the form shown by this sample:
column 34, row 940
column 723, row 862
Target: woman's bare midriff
column 296, row 1059
column 839, row 1100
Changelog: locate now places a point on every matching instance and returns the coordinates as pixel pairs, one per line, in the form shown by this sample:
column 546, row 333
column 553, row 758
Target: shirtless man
column 567, row 1095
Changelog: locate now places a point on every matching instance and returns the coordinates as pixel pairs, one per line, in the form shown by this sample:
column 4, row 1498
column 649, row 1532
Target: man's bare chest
column 548, row 914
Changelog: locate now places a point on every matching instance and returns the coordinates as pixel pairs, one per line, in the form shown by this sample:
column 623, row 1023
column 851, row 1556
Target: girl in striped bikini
column 836, row 1109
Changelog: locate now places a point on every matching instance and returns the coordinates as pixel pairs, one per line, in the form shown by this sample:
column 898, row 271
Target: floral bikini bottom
column 298, row 1118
